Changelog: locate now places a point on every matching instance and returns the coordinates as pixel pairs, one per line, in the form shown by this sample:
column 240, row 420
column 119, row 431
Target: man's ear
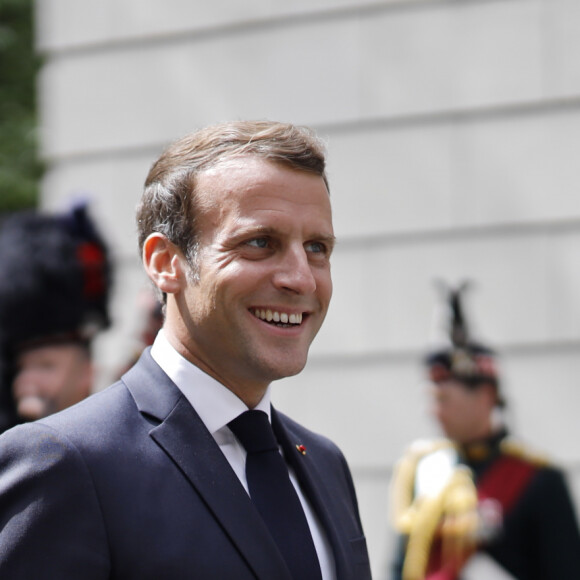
column 163, row 263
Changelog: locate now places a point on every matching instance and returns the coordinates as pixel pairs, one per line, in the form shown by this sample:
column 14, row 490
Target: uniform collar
column 483, row 450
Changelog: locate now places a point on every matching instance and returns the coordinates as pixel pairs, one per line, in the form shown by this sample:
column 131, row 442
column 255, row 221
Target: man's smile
column 277, row 318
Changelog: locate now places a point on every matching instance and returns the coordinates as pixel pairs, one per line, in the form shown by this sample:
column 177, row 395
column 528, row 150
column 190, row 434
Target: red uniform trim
column 504, row 482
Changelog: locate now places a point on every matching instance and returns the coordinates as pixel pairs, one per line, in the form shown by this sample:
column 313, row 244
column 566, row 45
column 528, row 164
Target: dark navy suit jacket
column 129, row 484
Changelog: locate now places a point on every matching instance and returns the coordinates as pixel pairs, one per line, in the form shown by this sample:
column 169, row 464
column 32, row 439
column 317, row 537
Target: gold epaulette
column 403, row 481
column 516, row 448
column 419, row 518
column 454, row 511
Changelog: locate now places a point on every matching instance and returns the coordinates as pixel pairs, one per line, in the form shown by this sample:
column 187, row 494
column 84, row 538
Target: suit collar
column 185, row 439
column 157, row 401
column 183, row 436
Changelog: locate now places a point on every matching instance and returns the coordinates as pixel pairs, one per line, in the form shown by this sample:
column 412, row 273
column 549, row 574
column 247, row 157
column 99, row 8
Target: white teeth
column 274, row 316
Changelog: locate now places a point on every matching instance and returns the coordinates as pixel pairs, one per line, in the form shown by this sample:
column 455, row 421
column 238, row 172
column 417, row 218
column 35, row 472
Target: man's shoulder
column 423, row 448
column 520, row 450
column 548, row 477
column 100, row 403
column 431, row 460
column 91, row 419
column 140, row 389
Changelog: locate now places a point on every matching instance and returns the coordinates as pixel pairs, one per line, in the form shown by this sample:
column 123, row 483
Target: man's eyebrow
column 261, row 230
column 254, row 230
column 329, row 239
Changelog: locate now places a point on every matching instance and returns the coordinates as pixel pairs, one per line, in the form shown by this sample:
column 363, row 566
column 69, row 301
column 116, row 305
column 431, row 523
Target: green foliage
column 20, row 168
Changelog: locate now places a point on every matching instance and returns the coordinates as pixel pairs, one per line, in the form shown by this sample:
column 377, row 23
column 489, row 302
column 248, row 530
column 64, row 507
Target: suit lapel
column 319, row 494
column 185, row 439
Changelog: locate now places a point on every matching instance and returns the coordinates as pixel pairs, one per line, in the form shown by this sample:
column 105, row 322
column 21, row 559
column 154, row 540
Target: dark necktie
column 274, row 495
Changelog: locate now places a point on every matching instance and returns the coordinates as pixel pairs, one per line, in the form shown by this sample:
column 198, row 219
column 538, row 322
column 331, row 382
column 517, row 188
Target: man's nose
column 294, row 272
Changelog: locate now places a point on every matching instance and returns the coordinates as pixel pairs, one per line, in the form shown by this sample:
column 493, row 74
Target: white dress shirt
column 217, row 406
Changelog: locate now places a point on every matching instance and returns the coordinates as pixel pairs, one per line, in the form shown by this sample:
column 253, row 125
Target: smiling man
column 183, row 469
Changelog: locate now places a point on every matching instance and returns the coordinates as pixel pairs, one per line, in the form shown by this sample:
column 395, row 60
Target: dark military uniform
column 535, row 535
column 451, row 500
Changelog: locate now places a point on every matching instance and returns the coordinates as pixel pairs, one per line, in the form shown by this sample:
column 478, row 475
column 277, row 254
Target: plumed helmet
column 461, row 358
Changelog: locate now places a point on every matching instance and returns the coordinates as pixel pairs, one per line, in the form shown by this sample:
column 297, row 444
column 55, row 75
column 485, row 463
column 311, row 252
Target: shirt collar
column 215, row 404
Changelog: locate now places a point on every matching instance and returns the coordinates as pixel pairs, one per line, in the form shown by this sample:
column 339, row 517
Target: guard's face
column 51, row 378
column 264, row 272
column 464, row 414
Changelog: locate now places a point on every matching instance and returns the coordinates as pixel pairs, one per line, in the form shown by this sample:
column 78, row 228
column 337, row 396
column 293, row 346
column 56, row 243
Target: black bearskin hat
column 55, row 278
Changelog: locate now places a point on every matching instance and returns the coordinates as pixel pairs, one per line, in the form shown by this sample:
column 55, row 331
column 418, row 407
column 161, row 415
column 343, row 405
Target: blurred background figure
column 151, row 316
column 478, row 490
column 55, row 281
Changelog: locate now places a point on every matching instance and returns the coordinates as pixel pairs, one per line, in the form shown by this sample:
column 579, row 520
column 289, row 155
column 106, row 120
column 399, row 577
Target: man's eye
column 258, row 242
column 316, row 248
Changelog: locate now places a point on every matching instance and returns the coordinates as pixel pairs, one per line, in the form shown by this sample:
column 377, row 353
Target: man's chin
column 289, row 368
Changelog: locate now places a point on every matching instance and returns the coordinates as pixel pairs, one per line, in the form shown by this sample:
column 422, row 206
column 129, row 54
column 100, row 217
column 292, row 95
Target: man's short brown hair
column 168, row 202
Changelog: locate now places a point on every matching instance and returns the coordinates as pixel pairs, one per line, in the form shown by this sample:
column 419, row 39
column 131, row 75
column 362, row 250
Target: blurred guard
column 55, row 279
column 478, row 489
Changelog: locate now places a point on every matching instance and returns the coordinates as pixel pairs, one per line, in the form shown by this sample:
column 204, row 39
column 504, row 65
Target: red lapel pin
column 301, row 448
